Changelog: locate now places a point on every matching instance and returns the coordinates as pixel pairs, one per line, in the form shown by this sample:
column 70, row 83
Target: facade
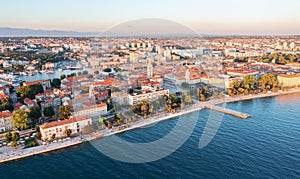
column 6, row 123
column 289, row 80
column 58, row 127
column 93, row 110
column 147, row 93
column 49, row 65
column 120, row 98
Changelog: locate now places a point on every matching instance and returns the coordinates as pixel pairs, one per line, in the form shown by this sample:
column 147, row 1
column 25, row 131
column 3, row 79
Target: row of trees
column 21, row 118
column 278, row 58
column 143, row 108
column 250, row 84
column 30, row 91
column 12, row 137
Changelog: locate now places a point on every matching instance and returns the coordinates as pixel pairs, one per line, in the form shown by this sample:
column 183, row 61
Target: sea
column 267, row 145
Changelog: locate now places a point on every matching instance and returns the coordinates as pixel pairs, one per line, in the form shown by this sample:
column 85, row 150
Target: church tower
column 149, row 69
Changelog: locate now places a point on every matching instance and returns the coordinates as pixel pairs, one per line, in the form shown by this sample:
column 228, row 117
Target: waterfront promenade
column 8, row 154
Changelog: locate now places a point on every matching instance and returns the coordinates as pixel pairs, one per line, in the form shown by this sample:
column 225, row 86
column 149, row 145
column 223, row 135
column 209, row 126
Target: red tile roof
column 4, row 114
column 63, row 122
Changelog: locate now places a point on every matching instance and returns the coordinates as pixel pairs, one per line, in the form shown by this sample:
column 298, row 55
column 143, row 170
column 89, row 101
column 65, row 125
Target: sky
column 207, row 17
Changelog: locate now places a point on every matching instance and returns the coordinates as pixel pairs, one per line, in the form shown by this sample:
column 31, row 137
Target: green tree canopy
column 20, row 119
column 49, row 111
column 55, row 83
column 64, row 112
column 68, row 132
column 268, row 81
column 30, row 91
column 6, row 104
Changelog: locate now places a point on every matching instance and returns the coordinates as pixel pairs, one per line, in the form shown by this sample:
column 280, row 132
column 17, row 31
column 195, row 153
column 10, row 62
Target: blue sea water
column 264, row 146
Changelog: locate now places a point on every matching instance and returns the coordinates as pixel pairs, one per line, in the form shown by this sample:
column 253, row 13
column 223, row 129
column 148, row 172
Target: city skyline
column 205, row 17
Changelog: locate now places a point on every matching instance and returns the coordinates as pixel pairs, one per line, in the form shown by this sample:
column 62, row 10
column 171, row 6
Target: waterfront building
column 58, row 127
column 289, row 80
column 147, row 93
column 6, row 123
column 90, row 109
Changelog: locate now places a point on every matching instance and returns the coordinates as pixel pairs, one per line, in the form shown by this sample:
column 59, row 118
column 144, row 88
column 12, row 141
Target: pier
column 228, row 111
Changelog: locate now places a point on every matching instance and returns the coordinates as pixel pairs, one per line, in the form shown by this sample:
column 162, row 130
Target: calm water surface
column 266, row 145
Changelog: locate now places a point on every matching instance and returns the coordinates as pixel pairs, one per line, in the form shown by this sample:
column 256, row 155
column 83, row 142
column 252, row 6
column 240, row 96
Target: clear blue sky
column 209, row 16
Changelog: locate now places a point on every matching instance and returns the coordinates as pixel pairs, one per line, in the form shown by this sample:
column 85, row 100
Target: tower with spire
column 149, row 68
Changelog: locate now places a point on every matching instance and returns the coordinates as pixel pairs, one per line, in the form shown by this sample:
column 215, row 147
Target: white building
column 58, row 127
column 6, row 123
column 147, row 93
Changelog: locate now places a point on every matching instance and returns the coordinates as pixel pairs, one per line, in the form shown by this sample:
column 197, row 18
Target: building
column 45, row 83
column 242, row 73
column 29, row 102
column 289, row 80
column 58, row 127
column 147, row 93
column 49, row 65
column 6, row 123
column 4, row 89
column 91, row 110
column 120, row 98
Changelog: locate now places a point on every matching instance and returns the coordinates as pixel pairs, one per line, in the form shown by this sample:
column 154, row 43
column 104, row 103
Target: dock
column 228, row 111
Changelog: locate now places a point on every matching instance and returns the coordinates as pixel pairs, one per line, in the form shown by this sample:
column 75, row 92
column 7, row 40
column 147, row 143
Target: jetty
column 228, row 111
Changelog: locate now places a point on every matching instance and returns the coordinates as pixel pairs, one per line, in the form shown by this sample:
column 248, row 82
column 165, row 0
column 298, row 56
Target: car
column 55, row 141
column 59, row 140
column 68, row 138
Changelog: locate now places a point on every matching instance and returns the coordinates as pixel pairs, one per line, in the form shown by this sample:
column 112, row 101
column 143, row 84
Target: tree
column 20, row 119
column 268, row 81
column 63, row 76
column 64, row 112
column 7, row 104
column 15, row 137
column 49, row 111
column 85, row 72
column 68, row 132
column 107, row 70
column 249, row 81
column 8, row 137
column 235, row 84
column 34, row 112
column 117, row 69
column 56, row 82
column 30, row 91
column 53, row 136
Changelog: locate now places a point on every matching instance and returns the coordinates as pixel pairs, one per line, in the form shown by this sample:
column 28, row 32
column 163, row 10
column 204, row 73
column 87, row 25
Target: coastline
column 24, row 153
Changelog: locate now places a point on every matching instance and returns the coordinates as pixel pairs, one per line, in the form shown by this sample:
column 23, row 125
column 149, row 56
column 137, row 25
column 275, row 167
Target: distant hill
column 18, row 32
